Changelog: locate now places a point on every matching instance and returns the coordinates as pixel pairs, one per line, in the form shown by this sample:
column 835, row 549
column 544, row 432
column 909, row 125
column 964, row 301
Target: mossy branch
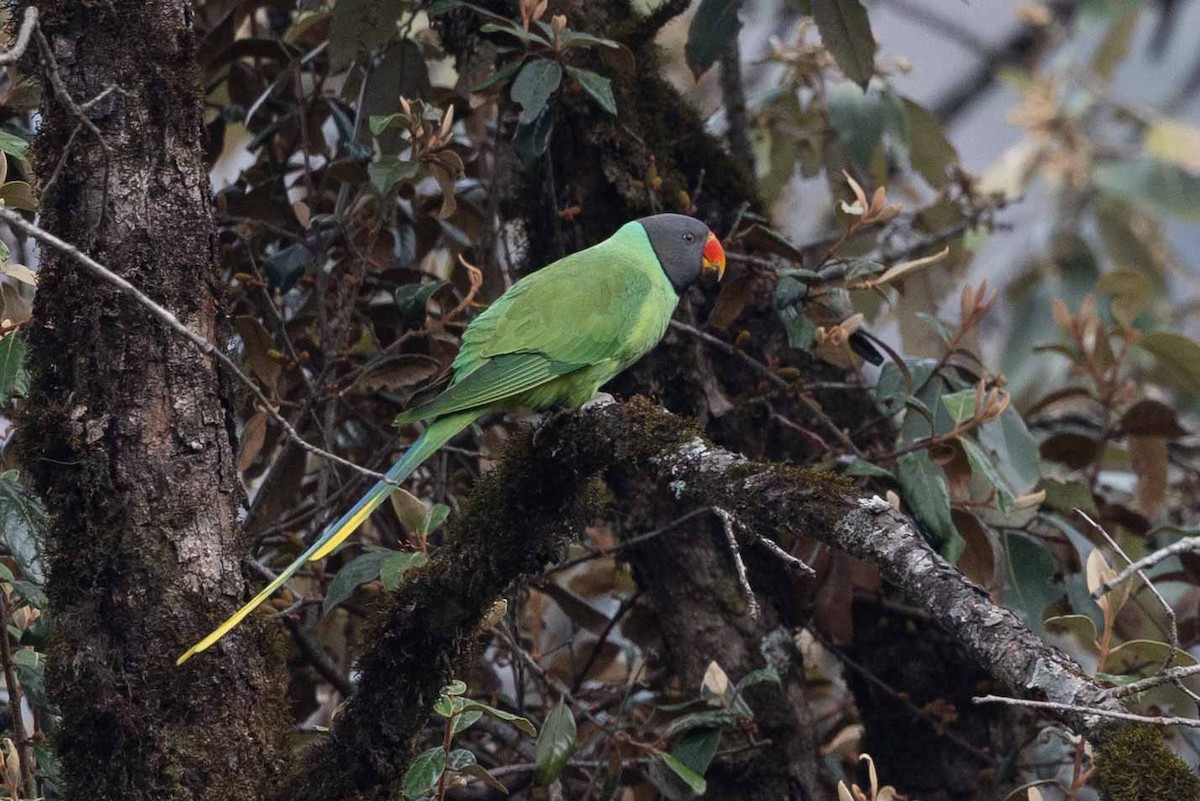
column 520, row 516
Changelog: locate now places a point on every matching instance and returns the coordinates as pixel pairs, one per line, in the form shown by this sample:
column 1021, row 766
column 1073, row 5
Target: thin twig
column 1172, row 622
column 14, row 53
column 727, row 523
column 1054, row 706
column 15, row 220
column 771, row 376
column 1185, row 545
column 787, row 558
column 1169, row 676
column 626, row 605
column 64, row 97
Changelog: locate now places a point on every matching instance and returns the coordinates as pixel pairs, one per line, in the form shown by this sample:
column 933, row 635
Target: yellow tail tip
column 187, row 655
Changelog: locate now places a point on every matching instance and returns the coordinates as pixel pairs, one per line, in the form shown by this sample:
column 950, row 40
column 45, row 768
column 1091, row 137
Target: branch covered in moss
column 520, row 516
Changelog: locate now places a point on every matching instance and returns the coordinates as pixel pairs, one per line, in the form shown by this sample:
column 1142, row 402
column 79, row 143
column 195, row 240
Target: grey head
column 685, row 248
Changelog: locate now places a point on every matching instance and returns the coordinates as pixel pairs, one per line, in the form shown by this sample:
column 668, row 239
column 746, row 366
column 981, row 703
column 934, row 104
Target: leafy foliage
column 373, row 191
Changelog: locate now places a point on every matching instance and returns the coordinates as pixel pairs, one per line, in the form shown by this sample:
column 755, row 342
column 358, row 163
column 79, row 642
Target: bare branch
column 727, row 523
column 522, row 513
column 1089, row 711
column 14, row 53
column 1185, row 545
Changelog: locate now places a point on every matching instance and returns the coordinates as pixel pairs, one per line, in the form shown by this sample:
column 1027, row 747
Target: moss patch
column 1134, row 764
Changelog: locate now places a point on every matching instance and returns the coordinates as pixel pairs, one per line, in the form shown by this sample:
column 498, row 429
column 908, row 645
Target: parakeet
column 551, row 340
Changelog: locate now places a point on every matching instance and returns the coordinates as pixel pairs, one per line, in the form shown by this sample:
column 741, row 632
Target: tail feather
column 438, row 434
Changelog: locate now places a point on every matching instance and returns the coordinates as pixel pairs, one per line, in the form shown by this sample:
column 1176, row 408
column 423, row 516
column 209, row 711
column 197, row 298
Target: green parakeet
column 551, row 340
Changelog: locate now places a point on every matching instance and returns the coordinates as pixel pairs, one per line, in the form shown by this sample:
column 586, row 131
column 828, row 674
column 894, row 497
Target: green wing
column 502, row 377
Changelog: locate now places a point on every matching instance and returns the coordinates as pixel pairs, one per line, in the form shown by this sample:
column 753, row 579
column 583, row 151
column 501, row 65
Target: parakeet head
column 686, row 249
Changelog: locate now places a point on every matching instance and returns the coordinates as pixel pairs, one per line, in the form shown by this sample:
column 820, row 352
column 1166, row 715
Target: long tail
column 438, row 434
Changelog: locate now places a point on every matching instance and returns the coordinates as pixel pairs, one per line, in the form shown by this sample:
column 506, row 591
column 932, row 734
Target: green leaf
column 480, row 772
column 858, row 117
column 599, row 87
column 23, row 524
column 710, row 719
column 801, row 331
column 982, row 465
column 12, row 357
column 412, row 299
column 961, row 405
column 1013, row 449
column 524, row 724
column 501, row 75
column 615, row 55
column 861, row 467
column 13, row 145
column 1178, row 359
column 456, row 687
column 696, row 749
column 285, row 267
column 534, row 85
column 31, row 670
column 424, row 772
column 391, row 572
column 846, row 33
column 1029, row 580
column 1115, row 46
column 531, row 139
column 363, row 569
column 460, row 758
column 437, row 515
column 1143, row 658
column 465, row 720
column 760, row 676
column 31, row 593
column 1152, row 183
column 512, row 29
column 893, row 390
column 440, row 7
column 360, row 26
column 929, row 152
column 387, row 171
column 555, row 744
column 694, row 780
column 937, row 325
column 1081, row 628
column 923, row 485
column 1131, row 291
column 713, row 27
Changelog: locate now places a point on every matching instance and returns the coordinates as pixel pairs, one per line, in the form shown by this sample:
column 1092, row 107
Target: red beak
column 714, row 256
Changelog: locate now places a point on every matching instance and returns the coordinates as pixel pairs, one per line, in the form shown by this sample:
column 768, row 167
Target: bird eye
column 689, row 238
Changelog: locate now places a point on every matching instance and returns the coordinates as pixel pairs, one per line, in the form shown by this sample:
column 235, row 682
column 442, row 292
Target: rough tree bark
column 512, row 529
column 704, row 616
column 126, row 434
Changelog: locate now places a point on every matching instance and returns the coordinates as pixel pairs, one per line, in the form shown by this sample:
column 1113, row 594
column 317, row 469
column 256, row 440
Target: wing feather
column 499, row 378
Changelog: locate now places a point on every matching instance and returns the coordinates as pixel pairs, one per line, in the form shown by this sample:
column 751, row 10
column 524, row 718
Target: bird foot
column 598, row 401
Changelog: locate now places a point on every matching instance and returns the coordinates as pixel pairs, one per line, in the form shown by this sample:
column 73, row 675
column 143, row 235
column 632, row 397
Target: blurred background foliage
column 997, row 202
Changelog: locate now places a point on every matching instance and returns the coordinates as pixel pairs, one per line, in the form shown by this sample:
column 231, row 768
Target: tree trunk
column 127, row 435
column 706, row 617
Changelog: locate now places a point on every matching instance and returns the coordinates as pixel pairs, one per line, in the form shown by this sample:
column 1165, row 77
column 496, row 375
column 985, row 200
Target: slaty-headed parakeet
column 551, row 340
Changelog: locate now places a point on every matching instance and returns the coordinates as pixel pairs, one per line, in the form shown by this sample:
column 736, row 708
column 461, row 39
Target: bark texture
column 520, row 515
column 126, row 434
column 705, row 616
